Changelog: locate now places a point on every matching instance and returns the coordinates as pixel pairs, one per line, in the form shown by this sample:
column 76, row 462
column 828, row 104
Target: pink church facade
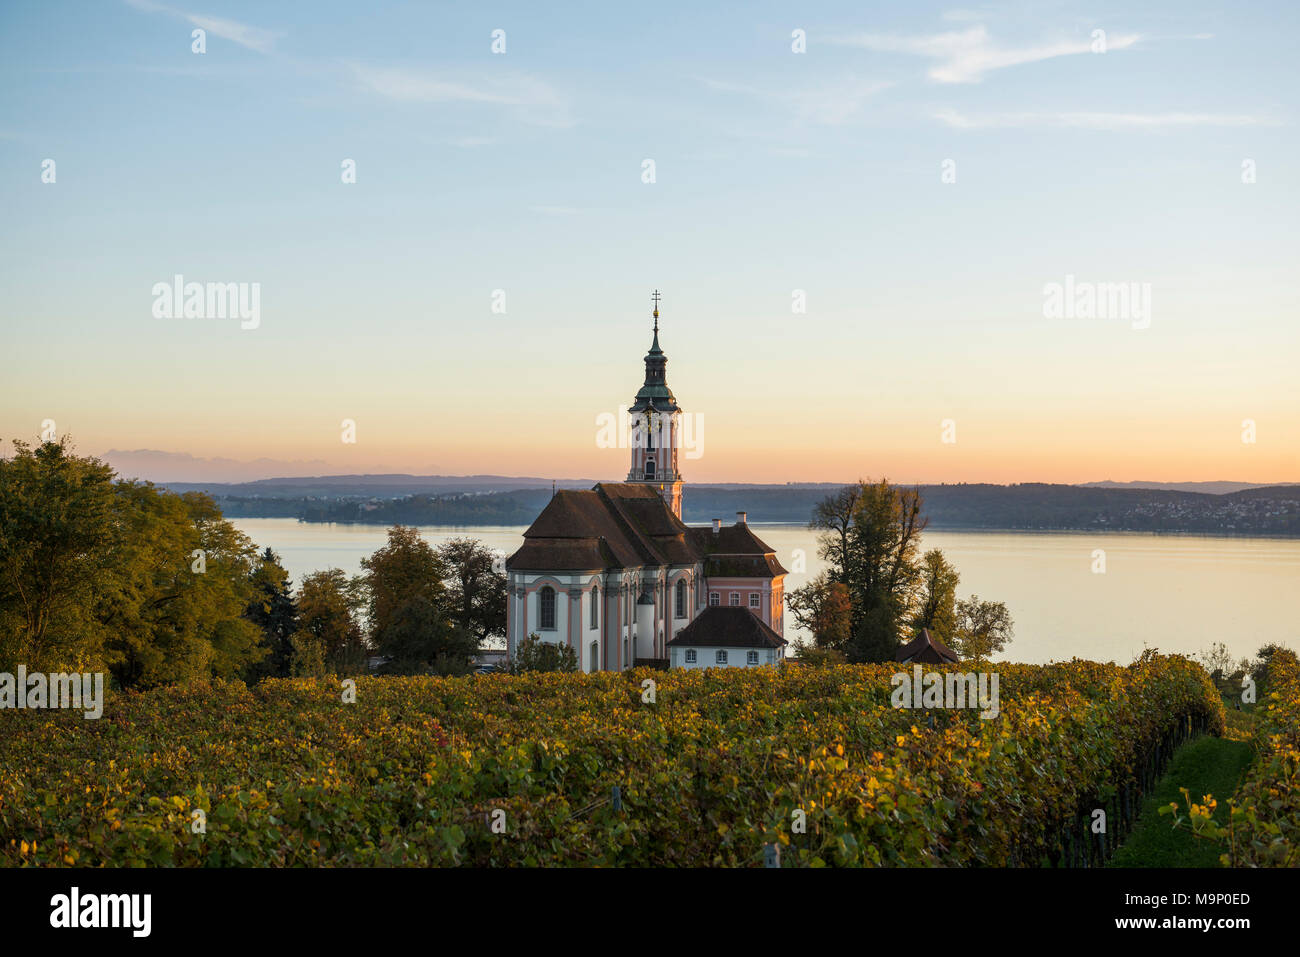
column 613, row 572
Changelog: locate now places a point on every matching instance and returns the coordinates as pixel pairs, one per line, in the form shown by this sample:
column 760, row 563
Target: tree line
column 104, row 574
column 880, row 590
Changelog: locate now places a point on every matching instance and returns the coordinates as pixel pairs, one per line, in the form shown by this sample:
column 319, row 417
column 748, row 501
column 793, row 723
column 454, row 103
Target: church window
column 649, row 468
column 734, row 599
column 714, row 598
column 751, row 657
column 595, row 607
column 547, row 599
column 681, row 598
column 720, row 658
column 753, row 599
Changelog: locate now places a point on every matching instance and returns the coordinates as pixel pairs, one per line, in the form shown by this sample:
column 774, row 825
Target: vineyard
column 553, row 769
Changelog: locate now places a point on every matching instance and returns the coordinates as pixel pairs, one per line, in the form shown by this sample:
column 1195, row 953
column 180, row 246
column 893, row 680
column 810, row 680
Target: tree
column 823, row 608
column 834, row 515
column 871, row 535
column 983, row 628
column 817, row 656
column 476, row 591
column 534, row 654
column 329, row 638
column 876, row 637
column 936, row 605
column 412, row 619
column 402, row 571
column 174, row 608
column 274, row 612
column 57, row 533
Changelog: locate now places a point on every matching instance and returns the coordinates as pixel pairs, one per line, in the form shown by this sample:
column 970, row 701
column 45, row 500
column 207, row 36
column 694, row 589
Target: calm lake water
column 1175, row 593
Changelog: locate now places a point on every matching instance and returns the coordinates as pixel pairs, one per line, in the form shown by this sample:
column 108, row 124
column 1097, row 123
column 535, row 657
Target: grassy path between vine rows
column 1206, row 765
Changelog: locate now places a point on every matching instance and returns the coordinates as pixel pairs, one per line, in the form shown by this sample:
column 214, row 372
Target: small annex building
column 926, row 649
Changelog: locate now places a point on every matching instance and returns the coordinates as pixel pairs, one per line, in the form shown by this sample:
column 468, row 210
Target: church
column 615, row 574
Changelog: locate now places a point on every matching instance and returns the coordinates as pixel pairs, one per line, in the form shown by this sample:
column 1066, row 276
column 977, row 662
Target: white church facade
column 614, row 573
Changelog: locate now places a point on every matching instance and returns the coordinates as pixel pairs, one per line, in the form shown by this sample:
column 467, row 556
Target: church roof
column 736, row 552
column 725, row 626
column 654, row 393
column 626, row 525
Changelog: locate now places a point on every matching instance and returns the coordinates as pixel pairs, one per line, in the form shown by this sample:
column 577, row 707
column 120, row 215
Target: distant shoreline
column 973, row 529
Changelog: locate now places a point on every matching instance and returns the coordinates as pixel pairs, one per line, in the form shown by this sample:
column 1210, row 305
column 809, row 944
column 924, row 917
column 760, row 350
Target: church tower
column 656, row 427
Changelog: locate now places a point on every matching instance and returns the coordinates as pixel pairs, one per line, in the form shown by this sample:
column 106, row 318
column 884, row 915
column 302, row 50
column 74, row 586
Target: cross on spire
column 655, row 296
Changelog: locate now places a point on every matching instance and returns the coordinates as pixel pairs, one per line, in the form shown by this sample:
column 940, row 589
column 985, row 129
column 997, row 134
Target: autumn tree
column 983, row 628
column 936, row 606
column 822, row 607
column 329, row 639
column 871, row 533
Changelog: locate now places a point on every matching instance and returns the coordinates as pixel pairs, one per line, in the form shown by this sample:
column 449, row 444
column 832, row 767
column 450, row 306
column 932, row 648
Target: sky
column 856, row 244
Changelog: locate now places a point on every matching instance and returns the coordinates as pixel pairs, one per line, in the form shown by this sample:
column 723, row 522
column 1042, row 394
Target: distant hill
column 1264, row 510
column 1212, row 488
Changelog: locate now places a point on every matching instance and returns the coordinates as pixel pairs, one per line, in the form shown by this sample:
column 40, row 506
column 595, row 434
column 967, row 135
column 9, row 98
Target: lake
column 1172, row 592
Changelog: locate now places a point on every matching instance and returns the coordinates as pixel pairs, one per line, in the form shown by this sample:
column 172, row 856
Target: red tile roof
column 724, row 626
column 926, row 648
column 625, row 525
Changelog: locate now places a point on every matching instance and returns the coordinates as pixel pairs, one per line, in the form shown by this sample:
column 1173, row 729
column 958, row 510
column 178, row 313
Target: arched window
column 595, row 607
column 595, row 657
column 547, row 608
column 649, row 468
column 681, row 598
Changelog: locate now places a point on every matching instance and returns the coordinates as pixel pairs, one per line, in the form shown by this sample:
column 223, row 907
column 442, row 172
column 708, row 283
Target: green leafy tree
column 876, row 637
column 58, row 530
column 936, row 607
column 476, row 591
column 274, row 612
column 329, row 639
column 174, row 609
column 816, row 656
column 534, row 654
column 871, row 533
column 983, row 628
column 403, row 570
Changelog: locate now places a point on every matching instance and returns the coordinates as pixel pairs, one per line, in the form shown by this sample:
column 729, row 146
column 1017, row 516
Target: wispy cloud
column 831, row 104
column 251, row 37
column 965, row 56
column 534, row 100
column 1098, row 120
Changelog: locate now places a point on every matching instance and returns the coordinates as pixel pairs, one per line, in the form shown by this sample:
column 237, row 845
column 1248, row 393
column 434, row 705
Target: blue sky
column 775, row 171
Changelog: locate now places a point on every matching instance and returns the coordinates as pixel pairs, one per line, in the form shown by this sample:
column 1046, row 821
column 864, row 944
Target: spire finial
column 655, row 296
